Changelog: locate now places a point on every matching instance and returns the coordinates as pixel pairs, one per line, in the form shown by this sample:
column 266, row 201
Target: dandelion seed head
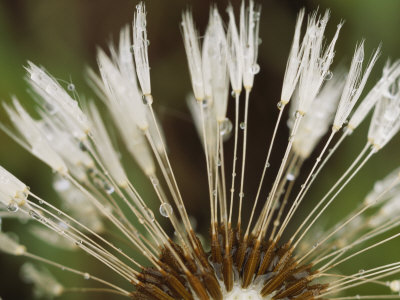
column 261, row 255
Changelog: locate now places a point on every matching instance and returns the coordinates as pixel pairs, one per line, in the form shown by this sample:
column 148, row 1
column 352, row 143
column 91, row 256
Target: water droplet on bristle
column 71, row 87
column 35, row 215
column 290, row 177
column 82, row 146
column 12, row 206
column 255, row 69
column 328, row 75
column 166, row 210
column 150, row 214
column 225, row 127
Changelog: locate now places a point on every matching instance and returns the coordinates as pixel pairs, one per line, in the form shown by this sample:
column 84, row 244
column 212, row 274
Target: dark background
column 63, row 36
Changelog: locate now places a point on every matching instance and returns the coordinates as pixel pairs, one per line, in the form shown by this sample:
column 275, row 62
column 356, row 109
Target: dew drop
column 395, row 285
column 233, row 94
column 241, row 195
column 166, row 209
column 82, row 146
column 242, row 125
column 71, row 87
column 204, row 103
column 61, row 184
column 280, row 105
column 268, row 165
column 86, row 276
column 144, row 100
column 290, row 177
column 328, row 75
column 50, row 108
column 150, row 214
column 154, row 181
column 256, row 15
column 361, row 271
column 297, row 114
column 12, row 206
column 35, row 215
column 108, row 188
column 225, row 127
column 255, row 69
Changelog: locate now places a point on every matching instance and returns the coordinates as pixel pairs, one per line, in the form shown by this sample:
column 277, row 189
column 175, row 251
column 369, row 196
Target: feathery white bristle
column 125, row 59
column 140, row 47
column 211, row 124
column 69, row 108
column 45, row 285
column 382, row 185
column 293, row 69
column 10, row 246
column 52, row 238
column 389, row 210
column 385, row 121
column 52, row 111
column 66, row 146
column 234, row 53
column 193, row 54
column 390, row 74
column 315, row 62
column 214, row 58
column 354, row 85
column 121, row 94
column 12, row 189
column 249, row 27
column 78, row 205
column 34, row 137
column 106, row 151
column 317, row 121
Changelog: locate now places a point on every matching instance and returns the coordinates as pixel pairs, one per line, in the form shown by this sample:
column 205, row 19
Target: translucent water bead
column 166, row 210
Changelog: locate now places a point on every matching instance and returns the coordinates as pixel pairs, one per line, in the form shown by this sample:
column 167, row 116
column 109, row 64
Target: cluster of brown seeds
column 266, row 266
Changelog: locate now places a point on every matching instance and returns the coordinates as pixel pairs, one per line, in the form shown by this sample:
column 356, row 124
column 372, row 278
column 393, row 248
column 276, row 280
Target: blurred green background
column 63, row 35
